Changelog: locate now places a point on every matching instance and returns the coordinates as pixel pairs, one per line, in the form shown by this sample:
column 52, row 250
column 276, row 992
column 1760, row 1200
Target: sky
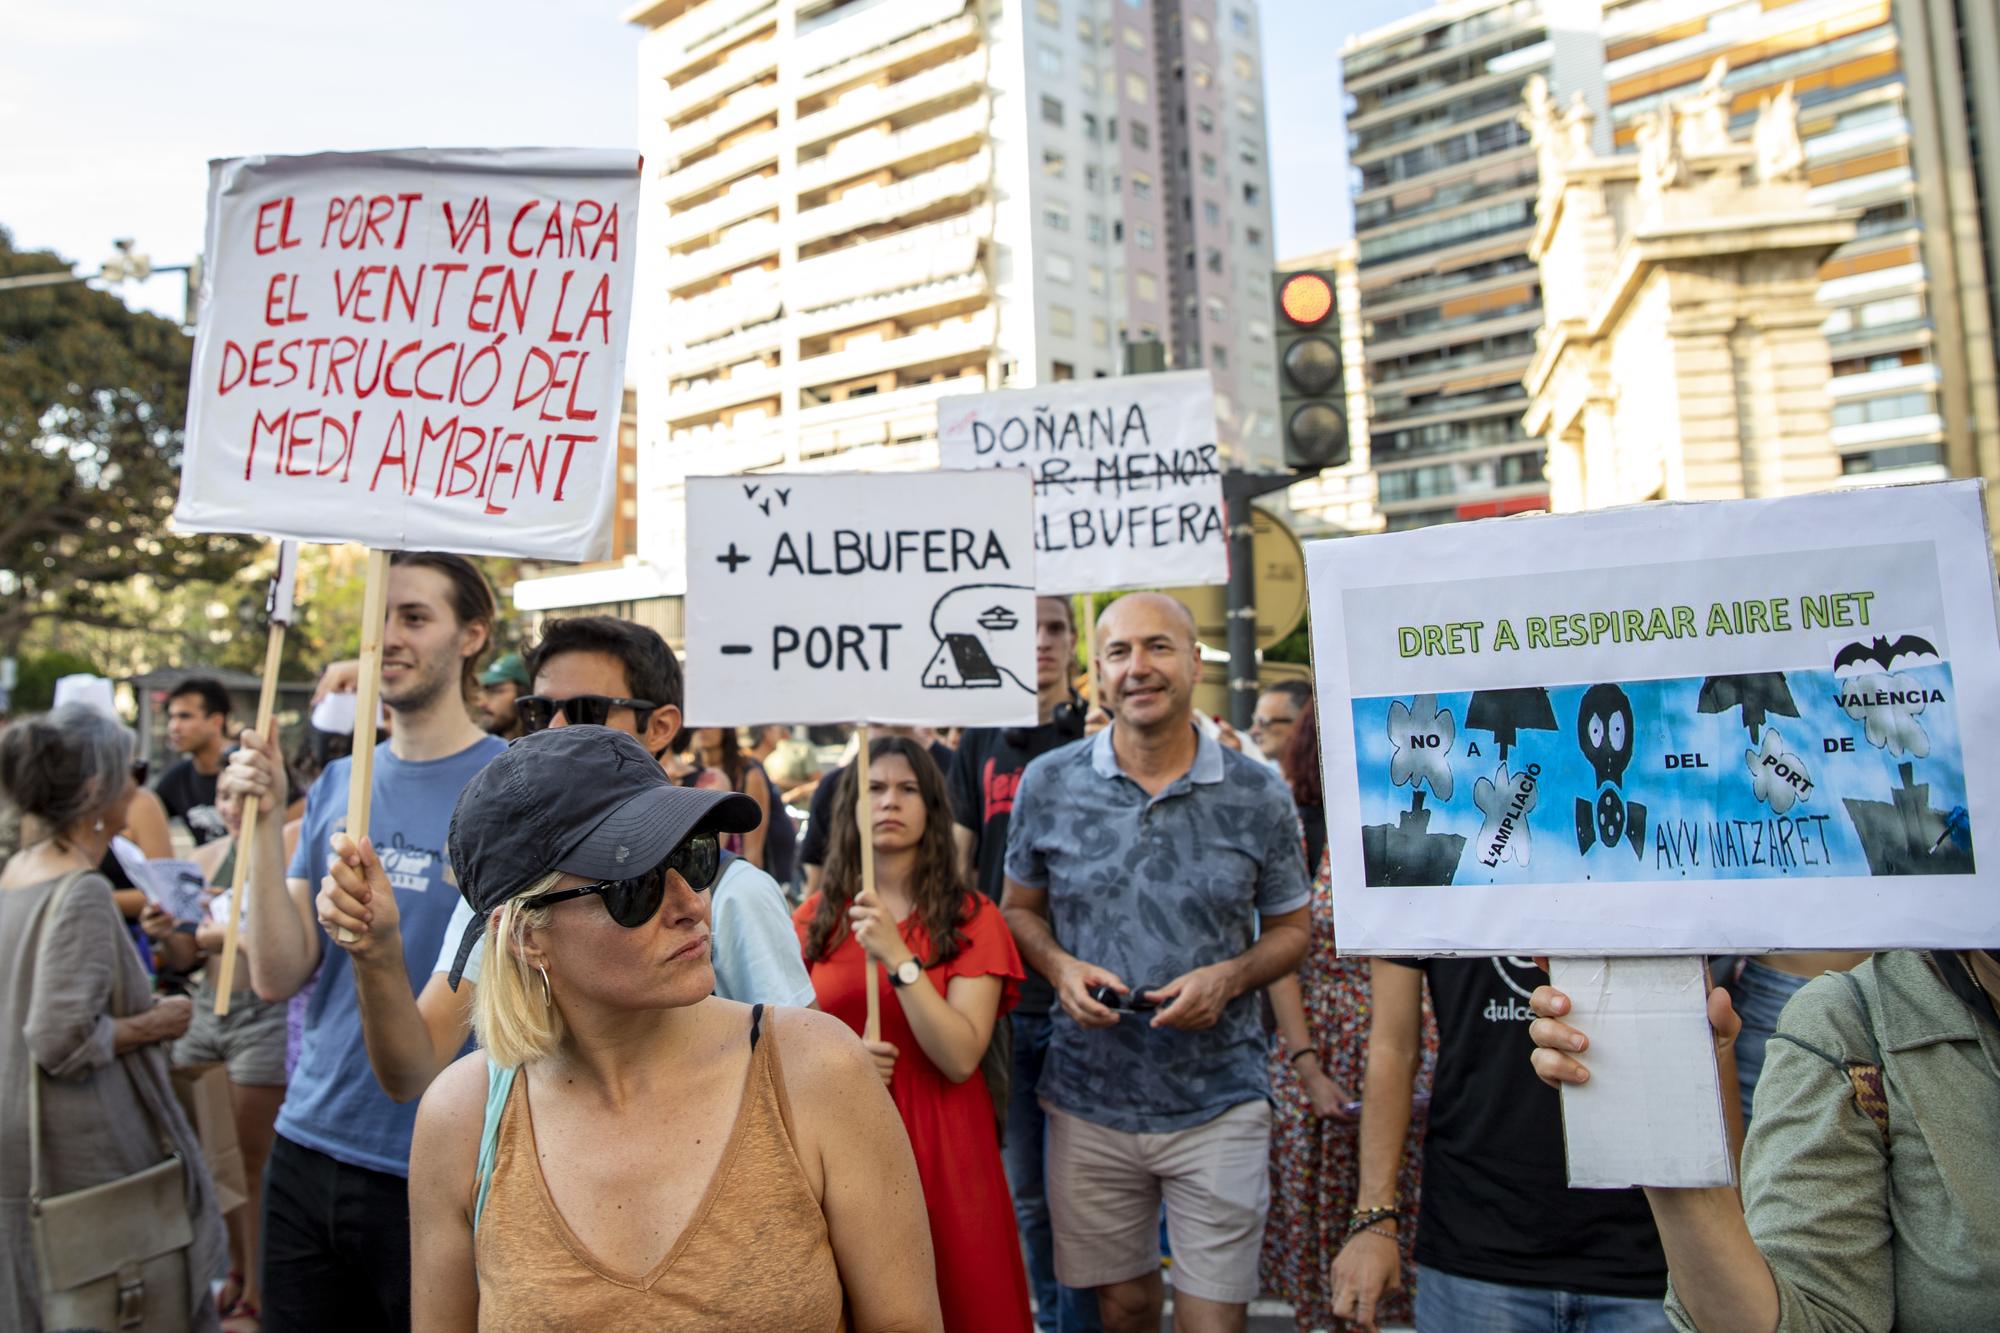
column 109, row 111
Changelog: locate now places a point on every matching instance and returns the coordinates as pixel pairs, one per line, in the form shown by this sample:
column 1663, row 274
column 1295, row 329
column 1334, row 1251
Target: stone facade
column 1681, row 355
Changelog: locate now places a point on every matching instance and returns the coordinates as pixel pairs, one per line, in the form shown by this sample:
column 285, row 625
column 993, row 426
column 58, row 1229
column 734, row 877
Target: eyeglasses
column 538, row 712
column 141, row 769
column 634, row 902
column 1266, row 723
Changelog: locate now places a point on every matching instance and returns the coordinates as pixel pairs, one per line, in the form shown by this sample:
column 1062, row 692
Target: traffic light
column 1312, row 390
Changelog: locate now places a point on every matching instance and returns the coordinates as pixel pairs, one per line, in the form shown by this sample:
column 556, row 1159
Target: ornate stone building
column 1681, row 355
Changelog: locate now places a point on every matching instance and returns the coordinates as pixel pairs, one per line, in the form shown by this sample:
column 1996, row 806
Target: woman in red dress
column 949, row 969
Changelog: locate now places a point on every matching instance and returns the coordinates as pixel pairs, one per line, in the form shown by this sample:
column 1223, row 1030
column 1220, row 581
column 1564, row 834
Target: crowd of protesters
column 582, row 1034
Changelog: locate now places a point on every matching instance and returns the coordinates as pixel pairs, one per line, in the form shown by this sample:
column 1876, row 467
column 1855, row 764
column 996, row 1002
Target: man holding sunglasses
column 587, row 671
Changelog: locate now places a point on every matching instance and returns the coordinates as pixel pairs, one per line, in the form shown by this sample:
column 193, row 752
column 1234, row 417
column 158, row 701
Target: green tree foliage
column 93, row 401
column 35, row 689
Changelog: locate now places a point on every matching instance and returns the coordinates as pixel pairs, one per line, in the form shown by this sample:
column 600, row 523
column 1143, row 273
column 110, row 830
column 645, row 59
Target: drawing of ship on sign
column 1408, row 855
column 1905, row 836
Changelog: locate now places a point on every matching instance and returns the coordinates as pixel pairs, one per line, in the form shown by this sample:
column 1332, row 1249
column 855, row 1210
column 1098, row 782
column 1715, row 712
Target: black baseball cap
column 581, row 800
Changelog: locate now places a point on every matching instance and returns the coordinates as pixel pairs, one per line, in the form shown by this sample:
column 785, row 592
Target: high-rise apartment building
column 1892, row 98
column 856, row 208
column 1444, row 211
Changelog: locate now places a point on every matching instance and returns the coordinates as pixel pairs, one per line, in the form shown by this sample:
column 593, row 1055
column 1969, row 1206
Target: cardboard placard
column 1704, row 728
column 1128, row 484
column 422, row 348
column 886, row 597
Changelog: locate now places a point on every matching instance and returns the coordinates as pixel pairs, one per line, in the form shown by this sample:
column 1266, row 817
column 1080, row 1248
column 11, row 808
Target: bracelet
column 1375, row 1230
column 1366, row 1219
column 1300, row 1055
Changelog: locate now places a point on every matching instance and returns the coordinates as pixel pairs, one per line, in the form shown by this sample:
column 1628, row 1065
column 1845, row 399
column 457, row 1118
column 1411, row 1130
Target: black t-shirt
column 1497, row 1205
column 190, row 797
column 819, row 816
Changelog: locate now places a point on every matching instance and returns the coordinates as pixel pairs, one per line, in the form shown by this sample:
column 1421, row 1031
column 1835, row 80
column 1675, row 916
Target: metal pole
column 1242, row 612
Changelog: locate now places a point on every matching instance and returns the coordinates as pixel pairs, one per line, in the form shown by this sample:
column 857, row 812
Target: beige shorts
column 1105, row 1188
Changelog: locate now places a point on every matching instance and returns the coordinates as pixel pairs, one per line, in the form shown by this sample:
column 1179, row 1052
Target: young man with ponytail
column 336, row 1208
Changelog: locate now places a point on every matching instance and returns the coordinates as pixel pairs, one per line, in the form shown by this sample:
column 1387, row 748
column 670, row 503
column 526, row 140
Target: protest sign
column 1713, row 728
column 421, row 348
column 1128, row 486
column 888, row 597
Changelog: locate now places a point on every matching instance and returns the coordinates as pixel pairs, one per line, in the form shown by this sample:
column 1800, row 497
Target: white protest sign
column 1706, row 728
column 1128, row 489
column 421, row 348
column 904, row 597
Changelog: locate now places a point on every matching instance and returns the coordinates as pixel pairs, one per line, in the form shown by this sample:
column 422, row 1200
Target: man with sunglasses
column 587, row 671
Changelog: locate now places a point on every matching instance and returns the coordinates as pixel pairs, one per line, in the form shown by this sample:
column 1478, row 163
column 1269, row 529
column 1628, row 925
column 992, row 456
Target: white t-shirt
column 754, row 946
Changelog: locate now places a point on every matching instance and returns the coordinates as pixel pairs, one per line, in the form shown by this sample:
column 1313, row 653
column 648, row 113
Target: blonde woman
column 629, row 1150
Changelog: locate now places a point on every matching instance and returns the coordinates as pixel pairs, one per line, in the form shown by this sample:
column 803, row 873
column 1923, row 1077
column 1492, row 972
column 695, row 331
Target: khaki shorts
column 1105, row 1188
column 250, row 1040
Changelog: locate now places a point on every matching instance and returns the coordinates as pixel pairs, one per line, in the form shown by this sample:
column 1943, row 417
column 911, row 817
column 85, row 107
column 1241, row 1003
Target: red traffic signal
column 1306, row 299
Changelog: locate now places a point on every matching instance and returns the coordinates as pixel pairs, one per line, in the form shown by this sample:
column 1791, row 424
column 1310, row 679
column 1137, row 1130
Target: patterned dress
column 1315, row 1163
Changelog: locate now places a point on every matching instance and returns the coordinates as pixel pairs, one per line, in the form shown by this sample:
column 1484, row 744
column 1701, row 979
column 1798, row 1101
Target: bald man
column 1156, row 879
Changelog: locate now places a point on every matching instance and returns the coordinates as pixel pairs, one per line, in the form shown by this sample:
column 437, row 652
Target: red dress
column 981, row 1281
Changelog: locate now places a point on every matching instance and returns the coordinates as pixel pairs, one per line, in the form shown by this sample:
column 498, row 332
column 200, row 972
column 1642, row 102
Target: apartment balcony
column 743, row 245
column 1924, row 425
column 752, row 62
column 878, row 418
column 712, row 450
column 742, row 107
column 872, row 150
column 892, row 305
column 863, row 28
column 695, row 35
column 679, row 362
column 1489, row 326
column 883, row 203
column 955, row 339
column 921, row 254
column 739, row 160
column 908, row 48
column 750, row 299
column 1921, row 375
column 752, row 194
column 870, row 102
column 747, row 381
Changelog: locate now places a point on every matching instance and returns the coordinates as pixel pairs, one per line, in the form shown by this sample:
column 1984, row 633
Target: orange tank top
column 755, row 1256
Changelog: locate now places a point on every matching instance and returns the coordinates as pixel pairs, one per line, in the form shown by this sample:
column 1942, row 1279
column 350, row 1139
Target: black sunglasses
column 634, row 902
column 538, row 712
column 141, row 769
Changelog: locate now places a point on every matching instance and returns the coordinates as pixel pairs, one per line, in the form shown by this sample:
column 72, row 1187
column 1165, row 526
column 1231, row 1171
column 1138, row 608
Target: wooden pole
column 1089, row 654
column 246, row 838
column 862, row 812
column 368, row 704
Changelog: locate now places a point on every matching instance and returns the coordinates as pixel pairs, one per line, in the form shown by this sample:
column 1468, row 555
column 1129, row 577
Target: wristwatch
column 906, row 972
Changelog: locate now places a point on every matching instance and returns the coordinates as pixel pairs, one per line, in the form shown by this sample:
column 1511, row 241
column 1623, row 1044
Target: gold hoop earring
column 548, row 997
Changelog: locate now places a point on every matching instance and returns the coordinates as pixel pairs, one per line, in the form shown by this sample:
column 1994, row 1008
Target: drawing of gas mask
column 1605, row 734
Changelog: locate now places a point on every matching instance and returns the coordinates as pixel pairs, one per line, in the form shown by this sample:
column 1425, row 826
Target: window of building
column 1142, row 134
column 1242, row 66
column 1086, row 30
column 1097, row 279
column 1199, row 30
column 1239, row 22
column 1251, row 193
column 1049, row 12
column 1093, row 179
column 1218, row 313
column 1142, row 233
column 1892, row 408
column 1052, row 110
column 1062, row 321
column 1055, row 217
column 1059, row 269
column 1204, row 120
column 1136, row 91
column 1061, row 370
column 1247, row 152
column 1053, row 163
column 1133, row 37
column 1100, row 332
column 1202, row 77
column 1145, row 286
column 1253, row 236
column 1208, row 166
column 1218, row 356
column 1094, row 228
column 1246, row 106
column 1090, row 126
column 1211, row 215
column 1086, row 77
column 1142, row 185
column 1118, row 229
column 1049, row 60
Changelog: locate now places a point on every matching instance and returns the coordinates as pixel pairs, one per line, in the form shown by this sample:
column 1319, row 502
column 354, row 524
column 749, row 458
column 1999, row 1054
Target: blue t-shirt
column 1152, row 887
column 334, row 1104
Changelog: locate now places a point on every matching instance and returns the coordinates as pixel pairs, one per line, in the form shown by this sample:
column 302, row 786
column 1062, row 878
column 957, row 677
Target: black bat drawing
column 1884, row 655
column 1757, row 693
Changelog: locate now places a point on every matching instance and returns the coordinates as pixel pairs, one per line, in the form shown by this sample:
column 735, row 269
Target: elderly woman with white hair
column 629, row 1150
column 87, row 1103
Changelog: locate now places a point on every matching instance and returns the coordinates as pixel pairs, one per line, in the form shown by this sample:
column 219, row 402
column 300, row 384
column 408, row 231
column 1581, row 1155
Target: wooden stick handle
column 367, row 704
column 1089, row 654
column 246, row 838
column 873, row 1031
